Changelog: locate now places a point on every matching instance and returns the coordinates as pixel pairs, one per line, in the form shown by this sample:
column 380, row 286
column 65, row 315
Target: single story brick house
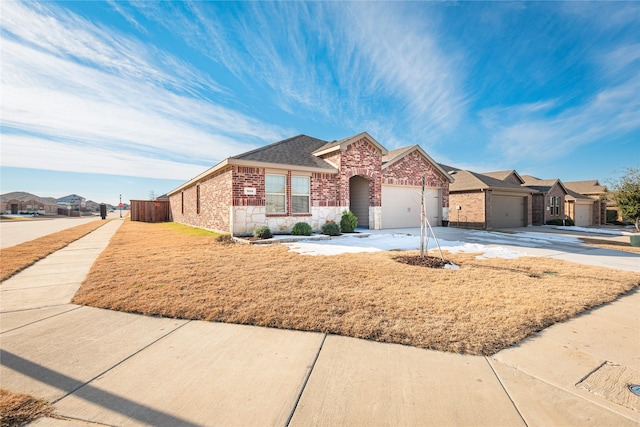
column 597, row 193
column 489, row 200
column 549, row 202
column 305, row 179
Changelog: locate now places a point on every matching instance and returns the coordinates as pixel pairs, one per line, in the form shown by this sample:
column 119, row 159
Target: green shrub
column 348, row 222
column 331, row 229
column 262, row 232
column 612, row 216
column 568, row 222
column 301, row 229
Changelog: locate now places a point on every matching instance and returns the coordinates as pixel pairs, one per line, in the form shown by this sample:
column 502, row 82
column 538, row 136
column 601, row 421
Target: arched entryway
column 359, row 199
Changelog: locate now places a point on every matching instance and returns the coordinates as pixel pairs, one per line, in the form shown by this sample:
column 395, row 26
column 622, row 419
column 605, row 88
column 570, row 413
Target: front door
column 359, row 199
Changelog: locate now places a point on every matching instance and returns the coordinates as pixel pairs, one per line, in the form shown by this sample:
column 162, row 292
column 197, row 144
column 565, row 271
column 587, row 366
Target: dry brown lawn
column 17, row 409
column 487, row 305
column 16, row 258
column 611, row 244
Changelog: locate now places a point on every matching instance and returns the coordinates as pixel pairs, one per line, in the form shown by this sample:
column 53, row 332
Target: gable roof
column 502, row 175
column 330, row 147
column 295, row 151
column 542, row 185
column 448, row 168
column 586, row 187
column 393, row 156
column 572, row 195
column 470, row 181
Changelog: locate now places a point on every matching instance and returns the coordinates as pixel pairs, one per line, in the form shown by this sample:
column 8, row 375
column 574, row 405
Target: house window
column 182, row 202
column 276, row 188
column 197, row 199
column 300, row 195
column 554, row 203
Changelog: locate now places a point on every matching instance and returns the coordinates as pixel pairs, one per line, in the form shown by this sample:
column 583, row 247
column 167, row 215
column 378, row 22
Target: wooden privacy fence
column 150, row 210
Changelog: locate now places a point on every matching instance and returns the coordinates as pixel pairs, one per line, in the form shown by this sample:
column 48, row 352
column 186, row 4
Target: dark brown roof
column 295, row 151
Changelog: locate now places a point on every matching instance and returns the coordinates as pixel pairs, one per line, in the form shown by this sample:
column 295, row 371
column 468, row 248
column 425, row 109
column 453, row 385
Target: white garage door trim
column 401, row 206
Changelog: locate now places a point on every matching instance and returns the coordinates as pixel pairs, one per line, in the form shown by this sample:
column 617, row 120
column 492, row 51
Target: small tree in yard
column 626, row 193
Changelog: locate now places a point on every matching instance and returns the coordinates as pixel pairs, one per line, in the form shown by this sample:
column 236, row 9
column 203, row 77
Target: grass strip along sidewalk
column 487, row 305
column 18, row 409
column 17, row 258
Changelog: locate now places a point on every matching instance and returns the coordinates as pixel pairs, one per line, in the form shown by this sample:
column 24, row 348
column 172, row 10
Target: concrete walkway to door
column 113, row 368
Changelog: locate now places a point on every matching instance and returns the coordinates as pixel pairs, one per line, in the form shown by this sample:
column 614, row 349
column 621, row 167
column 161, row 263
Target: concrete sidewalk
column 113, row 368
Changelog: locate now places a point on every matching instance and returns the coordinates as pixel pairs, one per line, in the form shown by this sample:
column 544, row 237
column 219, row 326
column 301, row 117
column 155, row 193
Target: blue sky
column 110, row 98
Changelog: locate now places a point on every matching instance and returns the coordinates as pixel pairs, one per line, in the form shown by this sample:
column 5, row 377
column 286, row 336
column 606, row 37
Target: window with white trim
column 552, row 203
column 300, row 195
column 276, row 192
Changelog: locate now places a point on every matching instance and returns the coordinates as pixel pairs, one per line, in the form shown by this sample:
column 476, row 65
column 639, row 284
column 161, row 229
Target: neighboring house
column 305, row 179
column 73, row 200
column 22, row 202
column 489, row 200
column 549, row 202
column 598, row 193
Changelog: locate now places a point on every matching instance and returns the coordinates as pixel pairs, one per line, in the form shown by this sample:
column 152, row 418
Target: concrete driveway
column 540, row 241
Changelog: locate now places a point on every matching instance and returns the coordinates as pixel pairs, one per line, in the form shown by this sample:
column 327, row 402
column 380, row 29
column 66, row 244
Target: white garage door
column 401, row 206
column 583, row 215
column 507, row 211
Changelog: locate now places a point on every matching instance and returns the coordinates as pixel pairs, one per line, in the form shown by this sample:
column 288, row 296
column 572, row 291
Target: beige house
column 21, row 202
column 599, row 199
column 489, row 200
column 549, row 201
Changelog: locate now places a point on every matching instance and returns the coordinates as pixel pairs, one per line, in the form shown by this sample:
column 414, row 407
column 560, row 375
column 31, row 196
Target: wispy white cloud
column 361, row 66
column 27, row 151
column 525, row 133
column 66, row 79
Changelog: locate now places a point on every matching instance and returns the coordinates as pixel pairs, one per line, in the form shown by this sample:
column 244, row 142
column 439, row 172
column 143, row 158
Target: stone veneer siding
column 411, row 169
column 249, row 211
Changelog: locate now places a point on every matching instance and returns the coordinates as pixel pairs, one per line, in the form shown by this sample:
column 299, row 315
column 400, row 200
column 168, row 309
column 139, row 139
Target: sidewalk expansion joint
column 306, row 380
column 39, row 320
column 121, row 362
column 505, row 391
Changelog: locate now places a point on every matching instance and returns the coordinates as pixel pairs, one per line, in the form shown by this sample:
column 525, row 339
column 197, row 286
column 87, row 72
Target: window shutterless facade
column 276, row 194
column 300, row 195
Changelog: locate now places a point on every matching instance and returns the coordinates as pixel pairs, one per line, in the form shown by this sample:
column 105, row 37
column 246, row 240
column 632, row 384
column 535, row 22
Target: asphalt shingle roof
column 295, row 151
column 586, row 187
column 467, row 180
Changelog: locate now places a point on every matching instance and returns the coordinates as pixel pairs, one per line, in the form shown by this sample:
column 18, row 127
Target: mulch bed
column 427, row 261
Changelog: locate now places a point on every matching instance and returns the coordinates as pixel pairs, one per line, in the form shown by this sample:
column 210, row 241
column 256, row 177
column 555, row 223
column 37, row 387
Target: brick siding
column 473, row 209
column 411, row 169
column 215, row 200
column 361, row 159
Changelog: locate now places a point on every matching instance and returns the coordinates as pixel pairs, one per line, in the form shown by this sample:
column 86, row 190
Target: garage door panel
column 401, row 206
column 508, row 211
column 583, row 215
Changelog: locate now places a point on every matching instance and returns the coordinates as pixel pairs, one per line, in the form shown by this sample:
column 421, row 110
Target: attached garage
column 401, row 206
column 508, row 211
column 583, row 215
